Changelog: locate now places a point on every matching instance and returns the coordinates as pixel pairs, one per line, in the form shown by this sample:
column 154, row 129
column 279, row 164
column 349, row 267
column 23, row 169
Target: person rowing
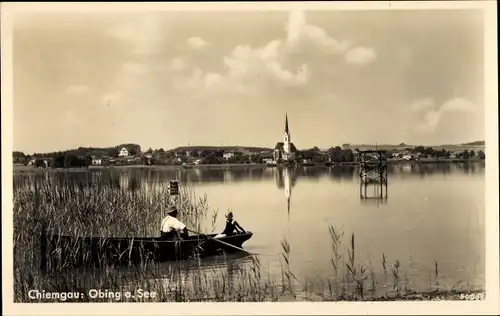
column 171, row 227
column 231, row 226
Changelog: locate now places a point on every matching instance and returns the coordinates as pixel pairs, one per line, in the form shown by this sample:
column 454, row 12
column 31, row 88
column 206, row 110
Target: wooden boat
column 60, row 251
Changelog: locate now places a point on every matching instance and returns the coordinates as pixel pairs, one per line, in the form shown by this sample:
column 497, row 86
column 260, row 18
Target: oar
column 222, row 242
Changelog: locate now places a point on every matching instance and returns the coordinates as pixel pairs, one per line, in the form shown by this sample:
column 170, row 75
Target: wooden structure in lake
column 373, row 173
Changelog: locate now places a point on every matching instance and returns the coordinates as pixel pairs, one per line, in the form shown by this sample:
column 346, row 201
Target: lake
column 432, row 219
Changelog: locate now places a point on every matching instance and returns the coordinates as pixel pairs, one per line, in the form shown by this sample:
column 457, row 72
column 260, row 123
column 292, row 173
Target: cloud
column 422, row 104
column 360, row 55
column 175, row 65
column 300, row 34
column 134, row 68
column 432, row 116
column 77, row 89
column 212, row 79
column 458, row 104
column 246, row 62
column 431, row 120
column 178, row 63
column 248, row 70
column 112, row 97
column 196, row 43
column 281, row 61
column 145, row 35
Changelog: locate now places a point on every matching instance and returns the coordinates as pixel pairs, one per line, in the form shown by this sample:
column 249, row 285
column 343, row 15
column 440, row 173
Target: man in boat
column 231, row 226
column 171, row 227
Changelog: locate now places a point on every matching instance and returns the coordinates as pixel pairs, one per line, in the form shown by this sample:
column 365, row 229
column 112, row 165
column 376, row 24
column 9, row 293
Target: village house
column 228, row 155
column 286, row 150
column 96, row 161
column 40, row 162
column 123, row 152
column 268, row 161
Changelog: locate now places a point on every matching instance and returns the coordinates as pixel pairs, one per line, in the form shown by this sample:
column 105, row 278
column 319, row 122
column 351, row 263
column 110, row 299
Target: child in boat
column 231, row 226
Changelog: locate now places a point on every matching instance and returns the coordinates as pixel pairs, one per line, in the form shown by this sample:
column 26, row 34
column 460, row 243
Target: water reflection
column 343, row 173
column 207, row 273
column 286, row 178
column 144, row 178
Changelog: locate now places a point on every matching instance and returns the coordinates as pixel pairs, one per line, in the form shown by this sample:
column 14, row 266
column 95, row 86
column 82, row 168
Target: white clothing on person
column 171, row 223
column 220, row 235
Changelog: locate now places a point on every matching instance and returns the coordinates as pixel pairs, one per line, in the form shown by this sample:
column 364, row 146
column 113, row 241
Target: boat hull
column 64, row 251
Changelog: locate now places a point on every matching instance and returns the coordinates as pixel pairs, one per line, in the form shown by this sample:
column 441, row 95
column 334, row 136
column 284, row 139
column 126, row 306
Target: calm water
column 433, row 213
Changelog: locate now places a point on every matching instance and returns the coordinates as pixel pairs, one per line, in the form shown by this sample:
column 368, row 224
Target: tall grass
column 101, row 208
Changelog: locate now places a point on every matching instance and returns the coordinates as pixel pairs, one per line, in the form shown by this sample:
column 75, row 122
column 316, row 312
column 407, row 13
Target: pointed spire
column 286, row 122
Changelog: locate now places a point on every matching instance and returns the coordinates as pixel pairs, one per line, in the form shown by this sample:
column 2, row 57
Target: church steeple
column 286, row 139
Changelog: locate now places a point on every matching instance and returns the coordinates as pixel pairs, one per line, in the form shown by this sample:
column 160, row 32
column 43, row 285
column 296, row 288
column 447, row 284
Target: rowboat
column 61, row 251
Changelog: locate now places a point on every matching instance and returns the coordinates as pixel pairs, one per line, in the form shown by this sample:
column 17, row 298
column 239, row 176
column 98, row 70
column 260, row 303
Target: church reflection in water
column 286, row 178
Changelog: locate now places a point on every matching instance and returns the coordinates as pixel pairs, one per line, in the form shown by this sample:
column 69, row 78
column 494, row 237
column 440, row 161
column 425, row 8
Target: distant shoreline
column 22, row 168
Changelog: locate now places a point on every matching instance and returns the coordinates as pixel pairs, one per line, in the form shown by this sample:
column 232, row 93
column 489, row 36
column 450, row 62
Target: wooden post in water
column 174, row 192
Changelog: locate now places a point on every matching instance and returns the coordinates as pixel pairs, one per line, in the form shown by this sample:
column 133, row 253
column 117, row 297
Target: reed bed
column 100, row 207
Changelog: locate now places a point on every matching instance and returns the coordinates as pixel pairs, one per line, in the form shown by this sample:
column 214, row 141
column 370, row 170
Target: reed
column 289, row 277
column 336, row 236
column 396, row 278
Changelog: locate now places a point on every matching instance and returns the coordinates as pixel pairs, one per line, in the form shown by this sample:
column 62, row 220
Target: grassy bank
column 99, row 208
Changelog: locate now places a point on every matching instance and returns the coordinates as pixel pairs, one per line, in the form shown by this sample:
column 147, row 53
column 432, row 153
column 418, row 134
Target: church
column 285, row 151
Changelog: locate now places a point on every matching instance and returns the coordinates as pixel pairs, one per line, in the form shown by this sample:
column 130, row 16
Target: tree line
column 134, row 149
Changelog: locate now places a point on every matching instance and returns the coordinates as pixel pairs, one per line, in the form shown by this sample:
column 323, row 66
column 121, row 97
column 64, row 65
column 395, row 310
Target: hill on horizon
column 225, row 148
column 404, row 145
column 478, row 143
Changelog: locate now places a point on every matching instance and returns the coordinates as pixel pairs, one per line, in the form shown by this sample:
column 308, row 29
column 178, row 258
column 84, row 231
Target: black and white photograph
column 225, row 153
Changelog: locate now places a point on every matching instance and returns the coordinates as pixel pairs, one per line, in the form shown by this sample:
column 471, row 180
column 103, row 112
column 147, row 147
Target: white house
column 123, row 152
column 228, row 155
column 268, row 161
column 96, row 161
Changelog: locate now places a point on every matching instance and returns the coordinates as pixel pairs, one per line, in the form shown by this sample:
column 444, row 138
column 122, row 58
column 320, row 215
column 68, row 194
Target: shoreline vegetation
column 98, row 208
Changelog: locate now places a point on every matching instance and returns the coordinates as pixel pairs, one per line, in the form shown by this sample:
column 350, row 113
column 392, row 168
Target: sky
column 168, row 79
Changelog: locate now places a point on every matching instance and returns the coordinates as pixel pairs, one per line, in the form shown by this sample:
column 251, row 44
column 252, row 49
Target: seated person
column 231, row 226
column 171, row 227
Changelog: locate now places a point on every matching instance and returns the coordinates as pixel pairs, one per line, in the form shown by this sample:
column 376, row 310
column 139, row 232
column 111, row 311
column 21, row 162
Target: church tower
column 286, row 140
